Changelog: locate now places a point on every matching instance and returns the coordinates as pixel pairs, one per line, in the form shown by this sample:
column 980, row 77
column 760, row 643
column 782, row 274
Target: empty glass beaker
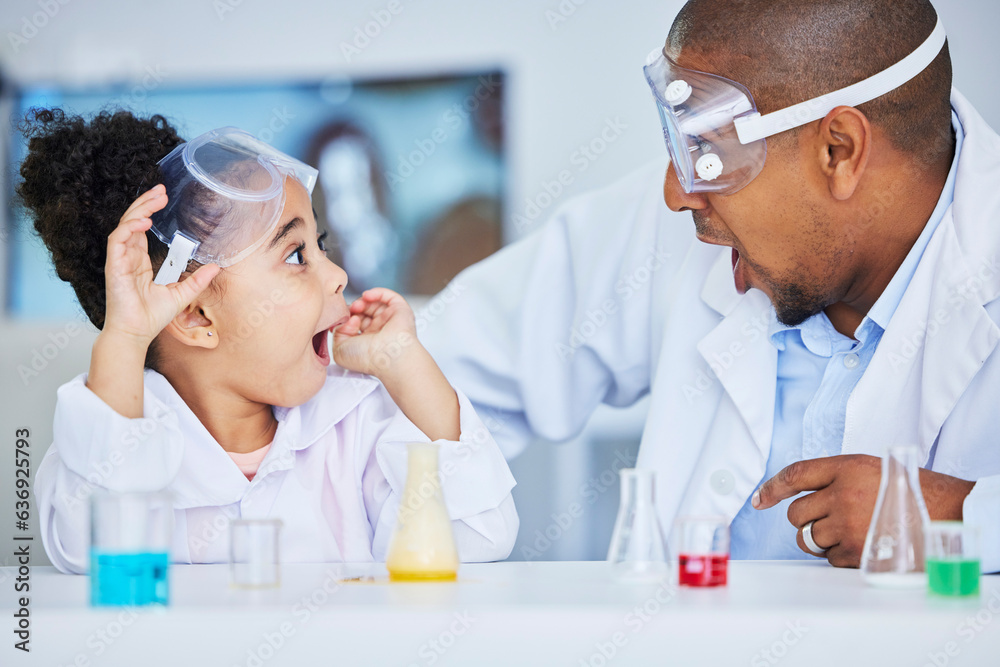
column 638, row 552
column 893, row 555
column 130, row 535
column 422, row 547
column 254, row 560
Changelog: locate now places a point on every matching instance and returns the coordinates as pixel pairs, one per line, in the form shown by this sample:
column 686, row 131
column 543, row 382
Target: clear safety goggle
column 226, row 191
column 715, row 136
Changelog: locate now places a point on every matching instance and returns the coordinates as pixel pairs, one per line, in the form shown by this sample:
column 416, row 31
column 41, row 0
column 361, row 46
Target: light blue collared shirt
column 818, row 368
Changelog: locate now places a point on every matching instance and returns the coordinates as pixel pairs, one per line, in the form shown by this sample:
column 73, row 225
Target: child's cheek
column 294, row 289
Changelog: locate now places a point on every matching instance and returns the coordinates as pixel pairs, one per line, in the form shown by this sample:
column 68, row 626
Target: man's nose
column 675, row 197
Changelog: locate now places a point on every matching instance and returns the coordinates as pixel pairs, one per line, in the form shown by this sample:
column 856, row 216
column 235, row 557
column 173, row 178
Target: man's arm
column 844, row 490
column 542, row 332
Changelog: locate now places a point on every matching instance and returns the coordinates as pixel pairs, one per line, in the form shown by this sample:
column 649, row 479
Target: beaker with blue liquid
column 130, row 535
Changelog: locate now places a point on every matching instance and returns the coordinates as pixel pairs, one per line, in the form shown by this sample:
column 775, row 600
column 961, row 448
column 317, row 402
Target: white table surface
column 514, row 613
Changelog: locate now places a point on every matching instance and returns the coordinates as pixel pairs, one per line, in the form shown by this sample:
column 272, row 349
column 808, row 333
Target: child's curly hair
column 79, row 177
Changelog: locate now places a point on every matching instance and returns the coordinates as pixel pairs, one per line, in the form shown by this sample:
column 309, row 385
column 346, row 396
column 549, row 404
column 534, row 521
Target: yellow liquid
column 416, row 575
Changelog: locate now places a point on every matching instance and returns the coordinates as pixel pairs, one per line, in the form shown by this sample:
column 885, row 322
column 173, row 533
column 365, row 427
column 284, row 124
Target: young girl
column 219, row 387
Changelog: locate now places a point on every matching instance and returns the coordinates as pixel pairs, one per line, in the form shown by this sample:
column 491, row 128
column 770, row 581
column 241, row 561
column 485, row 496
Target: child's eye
column 297, row 255
column 321, row 241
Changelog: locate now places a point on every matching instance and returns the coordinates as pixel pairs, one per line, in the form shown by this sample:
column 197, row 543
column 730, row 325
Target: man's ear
column 193, row 326
column 843, row 145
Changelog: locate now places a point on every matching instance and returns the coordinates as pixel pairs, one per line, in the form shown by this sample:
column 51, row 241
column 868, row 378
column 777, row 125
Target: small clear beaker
column 702, row 550
column 253, row 553
column 893, row 555
column 130, row 536
column 952, row 558
column 638, row 552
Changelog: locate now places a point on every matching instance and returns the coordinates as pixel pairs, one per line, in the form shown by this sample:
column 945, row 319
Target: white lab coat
column 333, row 474
column 615, row 298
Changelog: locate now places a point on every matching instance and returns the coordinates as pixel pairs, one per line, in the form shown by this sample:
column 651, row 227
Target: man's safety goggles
column 715, row 136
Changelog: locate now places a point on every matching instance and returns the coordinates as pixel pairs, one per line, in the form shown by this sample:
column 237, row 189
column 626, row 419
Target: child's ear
column 193, row 326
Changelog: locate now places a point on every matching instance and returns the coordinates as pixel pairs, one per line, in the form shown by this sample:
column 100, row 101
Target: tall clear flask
column 422, row 547
column 638, row 552
column 893, row 555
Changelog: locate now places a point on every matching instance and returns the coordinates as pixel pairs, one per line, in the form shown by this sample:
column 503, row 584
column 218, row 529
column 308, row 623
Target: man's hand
column 843, row 499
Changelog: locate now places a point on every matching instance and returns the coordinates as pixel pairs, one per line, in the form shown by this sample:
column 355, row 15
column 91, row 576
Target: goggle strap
column 181, row 250
column 755, row 127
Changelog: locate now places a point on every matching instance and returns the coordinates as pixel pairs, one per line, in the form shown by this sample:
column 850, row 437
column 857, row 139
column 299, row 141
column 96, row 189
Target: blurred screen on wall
column 411, row 170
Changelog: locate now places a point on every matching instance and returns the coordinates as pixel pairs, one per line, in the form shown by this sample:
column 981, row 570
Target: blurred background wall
column 570, row 68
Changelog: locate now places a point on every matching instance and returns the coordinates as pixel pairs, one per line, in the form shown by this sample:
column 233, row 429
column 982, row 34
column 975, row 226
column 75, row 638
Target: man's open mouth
column 738, row 278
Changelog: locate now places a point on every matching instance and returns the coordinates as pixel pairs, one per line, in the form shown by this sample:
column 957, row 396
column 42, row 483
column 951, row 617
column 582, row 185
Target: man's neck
column 895, row 233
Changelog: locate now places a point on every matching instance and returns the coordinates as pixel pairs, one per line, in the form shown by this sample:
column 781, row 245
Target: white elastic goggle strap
column 181, row 250
column 755, row 127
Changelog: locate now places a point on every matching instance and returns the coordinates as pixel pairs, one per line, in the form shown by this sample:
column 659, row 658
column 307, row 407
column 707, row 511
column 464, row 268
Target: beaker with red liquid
column 703, row 550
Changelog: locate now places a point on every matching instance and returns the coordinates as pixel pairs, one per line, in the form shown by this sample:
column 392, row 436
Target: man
column 853, row 303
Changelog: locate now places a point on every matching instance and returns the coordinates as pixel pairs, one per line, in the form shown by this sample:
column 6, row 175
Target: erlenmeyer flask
column 422, row 547
column 637, row 552
column 893, row 555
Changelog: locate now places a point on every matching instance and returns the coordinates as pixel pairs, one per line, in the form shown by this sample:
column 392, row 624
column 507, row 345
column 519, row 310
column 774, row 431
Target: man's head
column 840, row 198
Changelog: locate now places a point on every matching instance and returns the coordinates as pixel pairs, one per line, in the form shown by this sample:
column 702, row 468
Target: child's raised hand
column 379, row 336
column 135, row 305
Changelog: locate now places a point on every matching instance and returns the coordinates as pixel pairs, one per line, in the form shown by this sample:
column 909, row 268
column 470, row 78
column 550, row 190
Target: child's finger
column 121, row 239
column 151, row 193
column 188, row 289
column 147, row 204
column 376, row 295
column 376, row 308
column 380, row 294
column 139, row 225
column 350, row 327
column 370, row 312
column 361, row 307
column 378, row 318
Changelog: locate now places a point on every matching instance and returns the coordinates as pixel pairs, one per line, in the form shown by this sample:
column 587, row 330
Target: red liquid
column 703, row 570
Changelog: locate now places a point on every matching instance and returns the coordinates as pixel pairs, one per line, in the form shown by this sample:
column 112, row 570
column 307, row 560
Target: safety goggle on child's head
column 715, row 136
column 225, row 194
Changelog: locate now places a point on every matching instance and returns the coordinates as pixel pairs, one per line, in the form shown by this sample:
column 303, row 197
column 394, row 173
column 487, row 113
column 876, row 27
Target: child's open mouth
column 320, row 346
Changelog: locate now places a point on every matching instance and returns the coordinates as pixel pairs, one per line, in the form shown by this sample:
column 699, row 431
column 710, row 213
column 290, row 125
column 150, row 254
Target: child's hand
column 380, row 335
column 136, row 307
column 380, row 339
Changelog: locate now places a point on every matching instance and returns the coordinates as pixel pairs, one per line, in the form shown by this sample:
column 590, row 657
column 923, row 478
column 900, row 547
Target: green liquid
column 953, row 577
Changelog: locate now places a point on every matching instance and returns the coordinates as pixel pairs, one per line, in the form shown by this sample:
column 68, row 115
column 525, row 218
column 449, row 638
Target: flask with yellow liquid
column 422, row 547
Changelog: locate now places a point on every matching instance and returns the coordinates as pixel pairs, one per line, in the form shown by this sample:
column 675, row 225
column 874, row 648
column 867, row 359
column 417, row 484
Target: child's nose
column 337, row 278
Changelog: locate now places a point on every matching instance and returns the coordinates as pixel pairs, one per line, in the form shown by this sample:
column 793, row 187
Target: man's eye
column 296, row 257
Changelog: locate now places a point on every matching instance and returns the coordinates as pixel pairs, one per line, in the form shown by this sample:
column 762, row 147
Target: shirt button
column 851, row 361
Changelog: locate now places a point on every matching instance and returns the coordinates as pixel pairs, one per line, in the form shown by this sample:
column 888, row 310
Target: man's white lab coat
column 334, row 474
column 615, row 298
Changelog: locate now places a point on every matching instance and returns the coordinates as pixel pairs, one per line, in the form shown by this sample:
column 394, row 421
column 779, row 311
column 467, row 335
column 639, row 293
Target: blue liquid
column 118, row 579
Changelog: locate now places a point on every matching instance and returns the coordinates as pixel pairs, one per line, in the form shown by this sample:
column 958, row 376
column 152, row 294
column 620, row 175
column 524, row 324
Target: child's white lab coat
column 333, row 475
